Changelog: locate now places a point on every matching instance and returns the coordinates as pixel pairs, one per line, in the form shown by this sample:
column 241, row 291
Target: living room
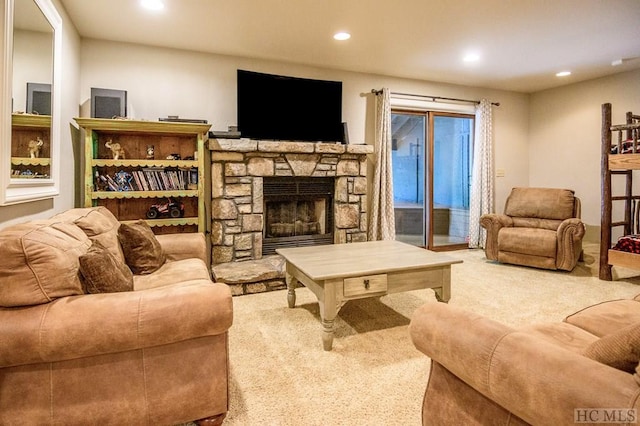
column 546, row 137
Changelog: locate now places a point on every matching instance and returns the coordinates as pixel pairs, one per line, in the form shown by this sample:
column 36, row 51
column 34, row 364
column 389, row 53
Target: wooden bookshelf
column 129, row 199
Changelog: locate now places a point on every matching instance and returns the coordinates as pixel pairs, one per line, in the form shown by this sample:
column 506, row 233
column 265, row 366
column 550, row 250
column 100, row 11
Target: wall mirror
column 30, row 110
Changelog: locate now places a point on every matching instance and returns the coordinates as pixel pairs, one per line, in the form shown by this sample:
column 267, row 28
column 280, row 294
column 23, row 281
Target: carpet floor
column 280, row 375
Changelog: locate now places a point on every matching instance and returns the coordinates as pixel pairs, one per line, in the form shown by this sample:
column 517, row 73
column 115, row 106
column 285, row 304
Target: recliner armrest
column 538, row 381
column 569, row 245
column 493, row 222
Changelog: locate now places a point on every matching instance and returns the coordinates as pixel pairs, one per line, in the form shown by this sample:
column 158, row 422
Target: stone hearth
column 238, row 167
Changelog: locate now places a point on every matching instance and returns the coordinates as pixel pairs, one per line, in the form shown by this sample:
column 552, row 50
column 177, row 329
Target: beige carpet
column 374, row 376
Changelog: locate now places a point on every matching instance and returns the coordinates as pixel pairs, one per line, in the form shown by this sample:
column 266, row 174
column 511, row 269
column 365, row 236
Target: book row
column 148, row 179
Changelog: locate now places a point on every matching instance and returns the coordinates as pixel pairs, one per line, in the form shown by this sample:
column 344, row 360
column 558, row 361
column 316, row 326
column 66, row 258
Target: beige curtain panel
column 382, row 222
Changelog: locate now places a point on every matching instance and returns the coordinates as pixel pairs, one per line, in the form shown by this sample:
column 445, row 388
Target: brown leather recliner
column 540, row 227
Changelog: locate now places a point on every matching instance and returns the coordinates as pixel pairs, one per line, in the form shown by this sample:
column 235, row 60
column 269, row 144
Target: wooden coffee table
column 341, row 272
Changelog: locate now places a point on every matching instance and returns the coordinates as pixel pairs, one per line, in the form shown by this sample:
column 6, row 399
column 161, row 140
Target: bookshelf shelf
column 27, row 161
column 144, row 163
column 103, row 195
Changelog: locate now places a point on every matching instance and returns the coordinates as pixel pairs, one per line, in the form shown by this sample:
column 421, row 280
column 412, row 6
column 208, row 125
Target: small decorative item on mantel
column 151, row 151
column 117, row 151
column 232, row 133
column 35, row 146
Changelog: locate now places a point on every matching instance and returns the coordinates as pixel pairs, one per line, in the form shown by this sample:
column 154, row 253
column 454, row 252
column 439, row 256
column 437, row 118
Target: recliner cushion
column 606, row 317
column 620, row 349
column 541, row 203
column 531, row 241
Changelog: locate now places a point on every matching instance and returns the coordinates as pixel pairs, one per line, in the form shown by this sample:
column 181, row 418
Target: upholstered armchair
column 540, row 227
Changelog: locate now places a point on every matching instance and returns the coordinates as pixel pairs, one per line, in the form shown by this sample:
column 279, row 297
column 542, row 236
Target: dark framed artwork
column 39, row 98
column 108, row 103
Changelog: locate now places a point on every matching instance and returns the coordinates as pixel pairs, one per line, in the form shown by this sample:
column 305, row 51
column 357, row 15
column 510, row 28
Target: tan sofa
column 157, row 355
column 486, row 373
column 540, row 227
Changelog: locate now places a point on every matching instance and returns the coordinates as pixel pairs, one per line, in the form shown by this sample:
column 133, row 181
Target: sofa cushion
column 620, row 349
column 532, row 241
column 40, row 262
column 142, row 251
column 542, row 203
column 99, row 224
column 103, row 273
column 606, row 317
column 171, row 273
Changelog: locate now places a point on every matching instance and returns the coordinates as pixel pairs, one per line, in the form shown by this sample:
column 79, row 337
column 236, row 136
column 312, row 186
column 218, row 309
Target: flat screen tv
column 276, row 107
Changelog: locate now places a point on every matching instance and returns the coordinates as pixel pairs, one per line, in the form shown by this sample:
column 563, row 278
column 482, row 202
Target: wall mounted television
column 276, row 107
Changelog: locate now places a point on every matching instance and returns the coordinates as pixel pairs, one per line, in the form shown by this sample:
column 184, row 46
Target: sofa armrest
column 569, row 246
column 95, row 324
column 184, row 246
column 536, row 380
column 493, row 222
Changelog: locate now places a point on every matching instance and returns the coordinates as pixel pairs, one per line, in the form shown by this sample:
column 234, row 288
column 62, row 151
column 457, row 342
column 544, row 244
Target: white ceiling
column 522, row 43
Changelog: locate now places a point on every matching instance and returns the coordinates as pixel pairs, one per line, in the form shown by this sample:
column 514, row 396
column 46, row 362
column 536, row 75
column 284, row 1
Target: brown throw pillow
column 620, row 350
column 103, row 273
column 142, row 251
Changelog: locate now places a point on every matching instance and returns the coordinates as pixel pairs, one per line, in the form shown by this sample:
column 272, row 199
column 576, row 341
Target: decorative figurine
column 173, row 157
column 35, row 146
column 150, row 152
column 116, row 150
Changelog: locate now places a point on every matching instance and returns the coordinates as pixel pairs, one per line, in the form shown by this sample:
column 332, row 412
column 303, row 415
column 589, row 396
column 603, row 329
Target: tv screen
column 289, row 108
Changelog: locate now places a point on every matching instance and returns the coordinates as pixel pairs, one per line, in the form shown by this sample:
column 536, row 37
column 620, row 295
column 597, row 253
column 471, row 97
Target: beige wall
column 161, row 82
column 550, row 138
column 564, row 141
column 70, row 94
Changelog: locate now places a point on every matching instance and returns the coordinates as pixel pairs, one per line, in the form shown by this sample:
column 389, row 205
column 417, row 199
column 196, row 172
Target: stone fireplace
column 269, row 194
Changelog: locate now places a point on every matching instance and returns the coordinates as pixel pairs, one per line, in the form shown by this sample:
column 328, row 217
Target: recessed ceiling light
column 563, row 73
column 471, row 57
column 152, row 4
column 342, row 36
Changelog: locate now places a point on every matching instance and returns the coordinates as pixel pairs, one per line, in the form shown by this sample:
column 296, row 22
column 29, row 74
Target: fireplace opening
column 298, row 212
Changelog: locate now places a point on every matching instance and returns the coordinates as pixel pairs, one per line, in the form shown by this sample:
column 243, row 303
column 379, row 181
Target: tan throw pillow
column 620, row 349
column 142, row 251
column 103, row 273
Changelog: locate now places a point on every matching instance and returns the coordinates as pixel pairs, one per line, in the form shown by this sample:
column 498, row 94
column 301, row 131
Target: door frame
column 429, row 134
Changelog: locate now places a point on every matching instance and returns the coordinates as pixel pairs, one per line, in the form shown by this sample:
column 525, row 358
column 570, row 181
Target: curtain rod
column 433, row 98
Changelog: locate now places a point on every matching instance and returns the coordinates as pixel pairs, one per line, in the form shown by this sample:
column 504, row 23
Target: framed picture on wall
column 39, row 98
column 108, row 103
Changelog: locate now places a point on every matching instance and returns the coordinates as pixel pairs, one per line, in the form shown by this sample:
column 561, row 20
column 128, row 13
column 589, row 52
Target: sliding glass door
column 432, row 162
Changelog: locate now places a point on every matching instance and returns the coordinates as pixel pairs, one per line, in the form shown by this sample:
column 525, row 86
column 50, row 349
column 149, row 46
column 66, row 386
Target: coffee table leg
column 327, row 334
column 291, row 287
column 443, row 294
column 328, row 313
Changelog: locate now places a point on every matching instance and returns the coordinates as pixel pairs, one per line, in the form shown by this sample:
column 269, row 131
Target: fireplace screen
column 300, row 217
column 298, row 212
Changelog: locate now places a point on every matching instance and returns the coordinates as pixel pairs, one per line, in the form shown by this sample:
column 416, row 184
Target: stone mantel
column 252, row 145
column 238, row 167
